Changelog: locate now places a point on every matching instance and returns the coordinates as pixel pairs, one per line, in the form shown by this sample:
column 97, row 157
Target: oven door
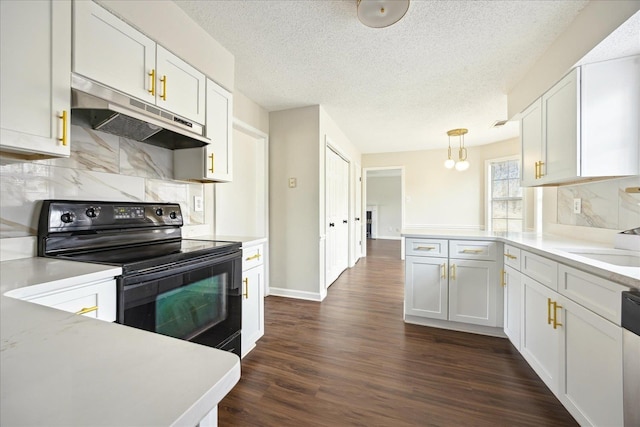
column 197, row 300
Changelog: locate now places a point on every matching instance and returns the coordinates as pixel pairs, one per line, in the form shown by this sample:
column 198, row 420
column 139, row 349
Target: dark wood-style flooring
column 351, row 360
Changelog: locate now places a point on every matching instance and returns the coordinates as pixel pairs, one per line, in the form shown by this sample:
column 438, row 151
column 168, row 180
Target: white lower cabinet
column 512, row 285
column 473, row 287
column 97, row 300
column 590, row 366
column 461, row 288
column 252, row 296
column 426, row 287
column 540, row 341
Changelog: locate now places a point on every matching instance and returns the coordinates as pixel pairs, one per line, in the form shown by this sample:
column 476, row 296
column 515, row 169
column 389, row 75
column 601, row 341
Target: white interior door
column 337, row 215
column 359, row 220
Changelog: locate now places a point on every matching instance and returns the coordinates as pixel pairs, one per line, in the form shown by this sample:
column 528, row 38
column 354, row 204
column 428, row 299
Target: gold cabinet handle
column 252, row 257
column 444, row 270
column 211, row 157
column 556, row 306
column 163, row 79
column 453, row 272
column 65, row 136
column 245, row 294
column 152, row 74
column 471, row 251
column 508, row 255
column 86, row 310
column 503, row 280
column 541, row 164
column 549, row 311
column 425, row 248
column 536, row 172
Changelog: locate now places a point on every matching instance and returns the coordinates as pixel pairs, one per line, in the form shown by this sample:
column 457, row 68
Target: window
column 505, row 201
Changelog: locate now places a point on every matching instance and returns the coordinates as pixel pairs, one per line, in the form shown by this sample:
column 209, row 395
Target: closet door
column 337, row 215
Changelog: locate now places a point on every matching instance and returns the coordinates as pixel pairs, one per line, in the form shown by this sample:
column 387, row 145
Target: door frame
column 365, row 174
column 253, row 132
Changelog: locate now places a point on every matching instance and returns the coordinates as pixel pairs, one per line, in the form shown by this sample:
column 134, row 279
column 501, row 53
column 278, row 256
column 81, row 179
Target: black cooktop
column 142, row 257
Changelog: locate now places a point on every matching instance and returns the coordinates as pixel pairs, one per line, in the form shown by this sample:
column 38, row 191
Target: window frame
column 488, row 193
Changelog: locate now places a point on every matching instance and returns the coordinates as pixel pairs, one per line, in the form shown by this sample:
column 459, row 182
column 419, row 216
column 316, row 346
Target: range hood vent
column 101, row 108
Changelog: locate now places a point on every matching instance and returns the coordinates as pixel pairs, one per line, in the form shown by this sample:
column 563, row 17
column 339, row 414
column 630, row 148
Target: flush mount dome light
column 381, row 13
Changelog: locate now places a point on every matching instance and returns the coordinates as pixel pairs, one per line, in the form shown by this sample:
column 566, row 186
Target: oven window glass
column 180, row 312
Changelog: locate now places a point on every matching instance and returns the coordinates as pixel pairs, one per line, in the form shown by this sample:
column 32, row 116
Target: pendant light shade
column 381, row 13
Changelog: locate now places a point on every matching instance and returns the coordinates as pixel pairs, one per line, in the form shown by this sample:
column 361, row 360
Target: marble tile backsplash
column 605, row 204
column 101, row 167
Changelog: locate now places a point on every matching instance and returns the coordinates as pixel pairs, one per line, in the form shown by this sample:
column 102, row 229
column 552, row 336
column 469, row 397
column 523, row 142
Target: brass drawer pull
column 444, row 271
column 472, row 251
column 65, row 135
column 152, row 74
column 510, row 256
column 86, row 310
column 246, row 287
column 503, row 273
column 453, row 272
column 212, row 168
column 252, row 257
column 556, row 306
column 425, row 248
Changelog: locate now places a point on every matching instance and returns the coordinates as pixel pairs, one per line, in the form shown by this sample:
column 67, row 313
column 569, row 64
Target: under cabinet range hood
column 104, row 109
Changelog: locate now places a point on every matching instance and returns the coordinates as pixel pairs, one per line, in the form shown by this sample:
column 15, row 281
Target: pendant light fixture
column 381, row 13
column 462, row 164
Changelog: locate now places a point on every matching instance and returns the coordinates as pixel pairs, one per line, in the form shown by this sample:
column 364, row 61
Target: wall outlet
column 198, row 206
column 577, row 206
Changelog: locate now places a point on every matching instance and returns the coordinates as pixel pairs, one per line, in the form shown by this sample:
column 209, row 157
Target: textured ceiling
column 446, row 64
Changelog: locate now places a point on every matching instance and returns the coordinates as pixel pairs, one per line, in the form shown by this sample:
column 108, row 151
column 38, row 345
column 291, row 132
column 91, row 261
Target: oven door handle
column 178, row 268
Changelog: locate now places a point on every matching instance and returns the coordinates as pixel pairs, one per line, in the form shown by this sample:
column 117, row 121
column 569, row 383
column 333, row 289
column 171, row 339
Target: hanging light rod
column 381, row 13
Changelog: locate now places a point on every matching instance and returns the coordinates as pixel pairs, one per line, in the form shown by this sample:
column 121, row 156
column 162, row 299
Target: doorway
column 337, row 215
column 383, row 199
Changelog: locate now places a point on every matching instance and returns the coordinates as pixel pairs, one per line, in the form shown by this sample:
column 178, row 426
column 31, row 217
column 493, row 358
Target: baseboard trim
column 456, row 326
column 292, row 293
column 388, row 238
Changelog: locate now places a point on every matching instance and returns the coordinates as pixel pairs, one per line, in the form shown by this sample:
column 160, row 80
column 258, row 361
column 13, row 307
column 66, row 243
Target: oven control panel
column 65, row 216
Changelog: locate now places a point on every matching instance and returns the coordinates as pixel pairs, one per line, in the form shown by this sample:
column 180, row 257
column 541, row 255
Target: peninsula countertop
column 551, row 246
column 58, row 368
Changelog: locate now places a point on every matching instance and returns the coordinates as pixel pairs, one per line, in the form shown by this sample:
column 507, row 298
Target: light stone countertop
column 246, row 241
column 58, row 368
column 550, row 246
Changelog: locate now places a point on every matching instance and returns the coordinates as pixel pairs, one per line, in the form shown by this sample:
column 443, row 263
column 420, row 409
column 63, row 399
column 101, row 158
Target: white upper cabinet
column 35, row 77
column 117, row 55
column 585, row 126
column 214, row 161
column 111, row 52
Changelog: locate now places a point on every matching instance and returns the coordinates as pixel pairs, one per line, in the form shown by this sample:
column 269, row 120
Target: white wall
column 385, row 193
column 594, row 23
column 249, row 112
column 435, row 196
column 294, row 212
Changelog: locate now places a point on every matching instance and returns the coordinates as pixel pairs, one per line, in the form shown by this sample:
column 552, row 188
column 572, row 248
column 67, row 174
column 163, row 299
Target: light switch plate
column 293, row 182
column 197, row 204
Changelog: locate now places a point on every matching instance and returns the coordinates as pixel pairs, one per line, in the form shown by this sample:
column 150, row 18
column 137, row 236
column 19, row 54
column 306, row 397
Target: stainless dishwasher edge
column 631, row 357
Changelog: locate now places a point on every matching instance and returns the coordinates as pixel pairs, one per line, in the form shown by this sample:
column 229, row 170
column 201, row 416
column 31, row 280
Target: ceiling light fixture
column 381, row 13
column 462, row 164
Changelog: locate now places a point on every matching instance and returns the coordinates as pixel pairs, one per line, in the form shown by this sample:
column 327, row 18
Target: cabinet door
column 472, row 292
column 111, row 52
column 512, row 284
column 561, row 124
column 252, row 308
column 180, row 87
column 531, row 143
column 218, row 128
column 590, row 366
column 540, row 342
column 35, row 76
column 426, row 287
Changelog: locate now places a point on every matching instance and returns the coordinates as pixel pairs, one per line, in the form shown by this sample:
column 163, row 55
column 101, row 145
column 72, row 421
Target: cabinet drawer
column 540, row 269
column 598, row 295
column 472, row 249
column 512, row 257
column 426, row 247
column 97, row 300
column 252, row 256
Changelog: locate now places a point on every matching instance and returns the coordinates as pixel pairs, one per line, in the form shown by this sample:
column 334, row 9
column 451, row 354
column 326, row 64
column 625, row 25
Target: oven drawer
column 97, row 300
column 252, row 256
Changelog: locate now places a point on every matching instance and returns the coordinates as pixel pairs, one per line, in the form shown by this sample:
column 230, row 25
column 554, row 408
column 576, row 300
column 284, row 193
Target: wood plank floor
column 351, row 360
